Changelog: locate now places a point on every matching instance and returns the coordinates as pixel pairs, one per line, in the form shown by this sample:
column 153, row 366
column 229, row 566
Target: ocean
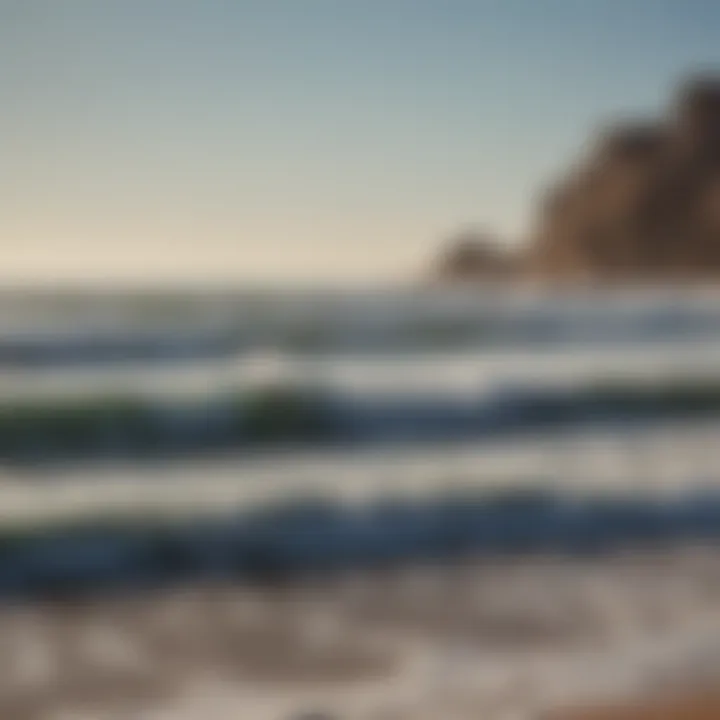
column 410, row 503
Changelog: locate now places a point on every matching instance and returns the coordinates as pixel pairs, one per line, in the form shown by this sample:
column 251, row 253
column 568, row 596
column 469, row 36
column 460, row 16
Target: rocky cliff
column 643, row 204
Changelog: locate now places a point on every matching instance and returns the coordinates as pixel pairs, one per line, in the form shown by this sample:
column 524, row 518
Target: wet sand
column 492, row 639
column 703, row 704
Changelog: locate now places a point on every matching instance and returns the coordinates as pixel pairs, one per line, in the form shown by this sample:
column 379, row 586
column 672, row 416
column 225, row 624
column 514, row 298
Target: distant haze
column 305, row 139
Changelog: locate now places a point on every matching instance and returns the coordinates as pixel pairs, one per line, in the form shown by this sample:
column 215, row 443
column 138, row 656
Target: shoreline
column 491, row 638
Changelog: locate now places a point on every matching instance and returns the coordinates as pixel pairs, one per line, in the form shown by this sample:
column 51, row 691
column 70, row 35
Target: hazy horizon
column 192, row 140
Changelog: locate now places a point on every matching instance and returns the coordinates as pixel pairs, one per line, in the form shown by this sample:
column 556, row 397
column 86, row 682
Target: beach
column 496, row 639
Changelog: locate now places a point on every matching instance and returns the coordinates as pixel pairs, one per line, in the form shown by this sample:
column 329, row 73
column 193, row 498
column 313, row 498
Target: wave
column 113, row 427
column 303, row 536
column 343, row 323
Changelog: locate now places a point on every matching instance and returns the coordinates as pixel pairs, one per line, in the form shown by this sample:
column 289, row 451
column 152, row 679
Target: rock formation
column 644, row 204
column 473, row 255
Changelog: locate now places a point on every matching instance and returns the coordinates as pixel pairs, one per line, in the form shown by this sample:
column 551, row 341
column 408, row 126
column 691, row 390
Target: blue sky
column 306, row 139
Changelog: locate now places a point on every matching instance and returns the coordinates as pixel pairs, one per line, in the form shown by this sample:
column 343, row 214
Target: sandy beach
column 703, row 704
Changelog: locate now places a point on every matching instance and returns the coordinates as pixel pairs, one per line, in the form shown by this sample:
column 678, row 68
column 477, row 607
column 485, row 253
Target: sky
column 307, row 140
